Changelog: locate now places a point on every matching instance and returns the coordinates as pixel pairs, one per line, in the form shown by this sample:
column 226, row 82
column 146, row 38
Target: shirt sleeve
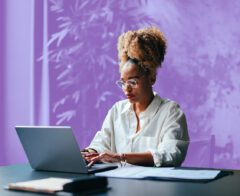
column 103, row 138
column 174, row 142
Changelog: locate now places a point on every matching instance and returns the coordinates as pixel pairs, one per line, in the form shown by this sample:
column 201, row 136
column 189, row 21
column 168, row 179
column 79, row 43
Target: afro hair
column 147, row 46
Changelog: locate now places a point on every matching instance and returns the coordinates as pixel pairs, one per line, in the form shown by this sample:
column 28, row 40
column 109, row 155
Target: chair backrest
column 200, row 153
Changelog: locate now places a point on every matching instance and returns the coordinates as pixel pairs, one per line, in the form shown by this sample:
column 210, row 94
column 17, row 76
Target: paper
column 139, row 172
column 189, row 174
column 47, row 185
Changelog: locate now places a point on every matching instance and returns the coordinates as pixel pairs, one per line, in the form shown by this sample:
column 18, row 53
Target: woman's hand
column 108, row 157
column 88, row 154
column 144, row 158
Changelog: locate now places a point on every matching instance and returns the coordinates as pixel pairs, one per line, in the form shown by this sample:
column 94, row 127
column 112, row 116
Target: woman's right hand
column 88, row 154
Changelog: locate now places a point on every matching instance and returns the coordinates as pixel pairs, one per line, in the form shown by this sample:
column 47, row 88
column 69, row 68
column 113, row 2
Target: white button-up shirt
column 163, row 131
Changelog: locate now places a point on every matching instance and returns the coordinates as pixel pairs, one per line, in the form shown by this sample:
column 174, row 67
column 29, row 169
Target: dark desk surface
column 229, row 185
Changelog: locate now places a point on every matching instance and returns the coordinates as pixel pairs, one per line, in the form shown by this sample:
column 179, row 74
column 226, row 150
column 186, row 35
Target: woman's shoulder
column 169, row 104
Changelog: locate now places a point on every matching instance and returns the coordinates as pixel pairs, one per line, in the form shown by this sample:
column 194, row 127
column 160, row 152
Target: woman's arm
column 144, row 158
column 172, row 149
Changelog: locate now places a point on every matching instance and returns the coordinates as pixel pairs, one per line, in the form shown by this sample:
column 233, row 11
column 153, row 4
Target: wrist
column 123, row 157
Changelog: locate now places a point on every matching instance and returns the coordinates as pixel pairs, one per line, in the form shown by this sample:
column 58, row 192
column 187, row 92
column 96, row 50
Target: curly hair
column 147, row 46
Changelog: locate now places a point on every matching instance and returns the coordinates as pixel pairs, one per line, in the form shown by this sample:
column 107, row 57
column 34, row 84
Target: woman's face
column 137, row 86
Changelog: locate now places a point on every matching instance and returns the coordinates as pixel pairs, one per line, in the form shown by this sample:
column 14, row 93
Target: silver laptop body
column 54, row 148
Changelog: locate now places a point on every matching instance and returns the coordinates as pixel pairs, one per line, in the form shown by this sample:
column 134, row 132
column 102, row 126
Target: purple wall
column 75, row 67
column 2, row 85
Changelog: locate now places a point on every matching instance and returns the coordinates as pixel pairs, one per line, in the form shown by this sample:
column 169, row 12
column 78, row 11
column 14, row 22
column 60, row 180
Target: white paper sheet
column 139, row 172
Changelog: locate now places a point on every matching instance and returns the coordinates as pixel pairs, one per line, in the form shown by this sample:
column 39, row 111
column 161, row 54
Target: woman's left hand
column 108, row 157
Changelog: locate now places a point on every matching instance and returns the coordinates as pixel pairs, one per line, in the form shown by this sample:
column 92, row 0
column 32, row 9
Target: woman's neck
column 142, row 106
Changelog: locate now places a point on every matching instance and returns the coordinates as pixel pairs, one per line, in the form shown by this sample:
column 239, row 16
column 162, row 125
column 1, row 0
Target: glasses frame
column 133, row 82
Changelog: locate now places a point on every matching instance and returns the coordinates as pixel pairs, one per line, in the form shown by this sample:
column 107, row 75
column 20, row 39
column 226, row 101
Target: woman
column 144, row 129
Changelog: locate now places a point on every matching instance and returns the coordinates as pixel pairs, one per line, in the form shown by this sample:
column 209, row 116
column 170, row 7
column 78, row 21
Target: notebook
column 83, row 184
column 54, row 148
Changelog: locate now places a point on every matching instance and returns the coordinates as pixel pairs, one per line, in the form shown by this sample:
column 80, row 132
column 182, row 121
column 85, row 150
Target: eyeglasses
column 131, row 82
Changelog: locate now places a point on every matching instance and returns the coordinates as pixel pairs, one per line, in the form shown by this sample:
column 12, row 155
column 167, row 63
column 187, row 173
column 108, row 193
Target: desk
column 229, row 185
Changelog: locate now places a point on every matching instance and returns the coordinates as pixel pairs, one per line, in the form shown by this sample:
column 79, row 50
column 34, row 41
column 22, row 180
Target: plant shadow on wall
column 215, row 85
column 83, row 56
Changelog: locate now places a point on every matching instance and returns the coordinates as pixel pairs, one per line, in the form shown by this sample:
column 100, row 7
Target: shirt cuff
column 157, row 157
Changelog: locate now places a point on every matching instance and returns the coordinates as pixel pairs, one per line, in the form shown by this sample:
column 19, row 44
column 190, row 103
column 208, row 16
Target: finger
column 89, row 158
column 90, row 164
column 108, row 157
column 104, row 157
column 84, row 153
column 91, row 154
column 94, row 160
column 97, row 158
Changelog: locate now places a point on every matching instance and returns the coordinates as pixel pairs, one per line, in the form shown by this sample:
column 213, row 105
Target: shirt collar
column 127, row 108
column 151, row 109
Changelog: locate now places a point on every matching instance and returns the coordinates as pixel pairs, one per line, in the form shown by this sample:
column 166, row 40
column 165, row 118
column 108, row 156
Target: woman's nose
column 127, row 88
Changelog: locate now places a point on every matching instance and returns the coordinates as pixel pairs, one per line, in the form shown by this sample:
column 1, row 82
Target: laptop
column 54, row 148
